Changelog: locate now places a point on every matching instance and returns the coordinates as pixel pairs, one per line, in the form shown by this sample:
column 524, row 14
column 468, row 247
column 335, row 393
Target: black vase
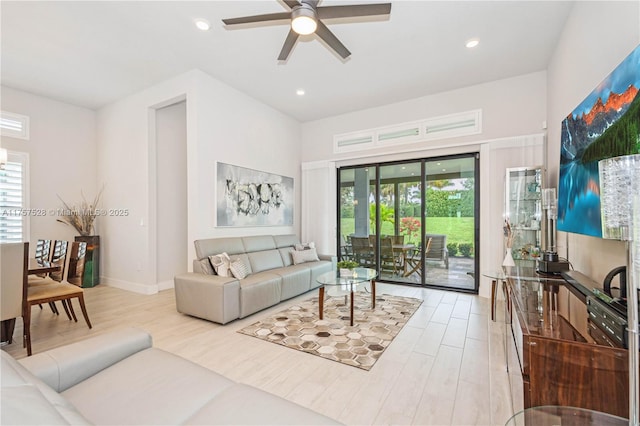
column 91, row 275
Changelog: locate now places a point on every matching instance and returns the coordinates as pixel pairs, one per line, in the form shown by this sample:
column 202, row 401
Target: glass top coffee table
column 346, row 285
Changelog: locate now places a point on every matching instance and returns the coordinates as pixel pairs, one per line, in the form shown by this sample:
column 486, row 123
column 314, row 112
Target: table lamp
column 620, row 213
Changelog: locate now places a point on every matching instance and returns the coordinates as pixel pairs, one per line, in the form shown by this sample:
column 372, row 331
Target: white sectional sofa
column 120, row 379
column 273, row 277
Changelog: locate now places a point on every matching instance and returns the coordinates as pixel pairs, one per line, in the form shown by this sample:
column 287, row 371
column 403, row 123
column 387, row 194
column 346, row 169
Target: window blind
column 12, row 203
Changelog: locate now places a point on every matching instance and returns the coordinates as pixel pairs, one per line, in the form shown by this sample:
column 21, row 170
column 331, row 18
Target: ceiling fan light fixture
column 303, row 20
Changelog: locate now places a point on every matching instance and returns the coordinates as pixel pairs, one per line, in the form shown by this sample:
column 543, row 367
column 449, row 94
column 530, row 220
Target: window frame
column 23, row 133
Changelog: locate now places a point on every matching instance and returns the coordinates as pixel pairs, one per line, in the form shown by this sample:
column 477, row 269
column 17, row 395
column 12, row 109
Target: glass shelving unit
column 523, row 210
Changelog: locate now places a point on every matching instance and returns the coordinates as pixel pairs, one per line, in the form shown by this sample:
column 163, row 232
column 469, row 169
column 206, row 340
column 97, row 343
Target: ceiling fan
column 306, row 16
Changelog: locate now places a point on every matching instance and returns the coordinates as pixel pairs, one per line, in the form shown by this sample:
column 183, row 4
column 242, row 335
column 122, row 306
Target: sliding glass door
column 415, row 221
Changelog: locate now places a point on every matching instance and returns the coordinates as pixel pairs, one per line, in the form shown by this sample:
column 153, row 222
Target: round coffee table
column 557, row 415
column 346, row 285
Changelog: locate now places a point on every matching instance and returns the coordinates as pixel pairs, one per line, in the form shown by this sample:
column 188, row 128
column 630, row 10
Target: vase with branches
column 82, row 217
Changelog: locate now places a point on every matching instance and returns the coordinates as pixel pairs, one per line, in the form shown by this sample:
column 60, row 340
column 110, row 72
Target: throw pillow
column 221, row 263
column 205, row 266
column 238, row 268
column 305, row 246
column 302, row 256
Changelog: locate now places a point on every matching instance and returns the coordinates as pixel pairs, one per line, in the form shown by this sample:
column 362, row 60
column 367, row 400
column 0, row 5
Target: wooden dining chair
column 388, row 259
column 43, row 252
column 14, row 259
column 77, row 258
column 414, row 261
column 362, row 250
column 52, row 292
column 59, row 258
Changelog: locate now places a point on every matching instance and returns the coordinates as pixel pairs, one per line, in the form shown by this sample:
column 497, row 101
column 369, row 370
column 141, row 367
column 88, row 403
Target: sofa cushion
column 317, row 269
column 265, row 260
column 25, row 399
column 211, row 246
column 258, row 243
column 287, row 240
column 150, row 387
column 259, row 291
column 244, row 405
column 285, row 254
column 295, row 280
column 205, row 266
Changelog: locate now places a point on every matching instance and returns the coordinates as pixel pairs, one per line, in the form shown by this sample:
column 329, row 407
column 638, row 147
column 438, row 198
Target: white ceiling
column 91, row 53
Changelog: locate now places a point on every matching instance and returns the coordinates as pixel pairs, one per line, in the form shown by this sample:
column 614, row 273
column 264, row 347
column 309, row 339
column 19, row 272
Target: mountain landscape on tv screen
column 606, row 124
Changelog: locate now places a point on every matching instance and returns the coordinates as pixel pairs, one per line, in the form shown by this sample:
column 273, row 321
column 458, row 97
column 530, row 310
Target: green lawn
column 457, row 229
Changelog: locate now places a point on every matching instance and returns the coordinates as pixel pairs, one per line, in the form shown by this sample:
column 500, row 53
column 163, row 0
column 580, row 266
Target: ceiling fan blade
column 328, row 12
column 288, row 45
column 258, row 18
column 291, row 3
column 325, row 34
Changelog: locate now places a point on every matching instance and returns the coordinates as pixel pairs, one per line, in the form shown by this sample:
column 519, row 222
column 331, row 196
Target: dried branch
column 81, row 217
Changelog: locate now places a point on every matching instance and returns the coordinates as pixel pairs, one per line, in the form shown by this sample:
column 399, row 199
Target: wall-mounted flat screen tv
column 606, row 124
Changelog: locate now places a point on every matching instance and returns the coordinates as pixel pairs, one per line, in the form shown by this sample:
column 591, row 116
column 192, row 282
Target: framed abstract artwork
column 247, row 197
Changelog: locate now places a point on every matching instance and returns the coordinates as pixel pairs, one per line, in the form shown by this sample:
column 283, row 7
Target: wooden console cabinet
column 553, row 353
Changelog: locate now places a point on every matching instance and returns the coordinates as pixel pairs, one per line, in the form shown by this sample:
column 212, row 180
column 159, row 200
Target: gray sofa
column 273, row 277
column 119, row 379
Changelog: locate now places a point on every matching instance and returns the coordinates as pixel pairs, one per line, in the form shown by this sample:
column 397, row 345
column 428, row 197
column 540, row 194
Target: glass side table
column 346, row 286
column 565, row 416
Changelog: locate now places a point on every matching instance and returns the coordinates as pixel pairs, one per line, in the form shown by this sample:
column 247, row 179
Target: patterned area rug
column 299, row 327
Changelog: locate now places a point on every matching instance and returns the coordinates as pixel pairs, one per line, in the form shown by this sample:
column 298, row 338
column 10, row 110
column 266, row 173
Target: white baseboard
column 137, row 287
column 165, row 285
column 130, row 286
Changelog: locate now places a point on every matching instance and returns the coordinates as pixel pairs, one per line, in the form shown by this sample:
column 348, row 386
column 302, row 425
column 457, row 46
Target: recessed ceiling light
column 444, row 170
column 472, row 43
column 203, row 24
column 300, row 92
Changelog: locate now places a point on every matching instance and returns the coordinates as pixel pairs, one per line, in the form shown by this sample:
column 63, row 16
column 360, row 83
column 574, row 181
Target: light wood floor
column 445, row 367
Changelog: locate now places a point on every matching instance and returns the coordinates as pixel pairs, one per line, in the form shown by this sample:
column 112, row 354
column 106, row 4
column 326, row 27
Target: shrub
column 465, row 249
column 452, row 248
column 410, row 226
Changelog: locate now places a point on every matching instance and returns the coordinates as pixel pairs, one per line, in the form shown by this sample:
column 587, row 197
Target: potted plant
column 346, row 267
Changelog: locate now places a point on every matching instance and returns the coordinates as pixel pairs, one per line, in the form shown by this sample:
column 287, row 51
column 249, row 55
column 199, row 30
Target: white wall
column 224, row 125
column 62, row 158
column 510, row 107
column 597, row 37
column 513, row 112
column 236, row 129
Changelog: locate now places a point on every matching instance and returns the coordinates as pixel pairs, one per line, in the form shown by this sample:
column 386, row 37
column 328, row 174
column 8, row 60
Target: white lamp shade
column 304, row 20
column 619, row 183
